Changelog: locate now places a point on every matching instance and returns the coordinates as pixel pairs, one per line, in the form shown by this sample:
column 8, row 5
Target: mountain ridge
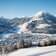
column 41, row 22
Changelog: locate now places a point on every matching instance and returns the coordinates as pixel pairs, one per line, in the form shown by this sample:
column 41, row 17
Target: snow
column 42, row 25
column 39, row 14
column 35, row 51
column 23, row 27
column 43, row 34
column 8, row 35
column 49, row 21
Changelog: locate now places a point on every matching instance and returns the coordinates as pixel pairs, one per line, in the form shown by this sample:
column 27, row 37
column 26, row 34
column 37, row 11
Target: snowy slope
column 41, row 20
column 35, row 51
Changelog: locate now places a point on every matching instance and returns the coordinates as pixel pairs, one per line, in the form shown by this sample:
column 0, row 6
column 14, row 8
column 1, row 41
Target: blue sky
column 16, row 8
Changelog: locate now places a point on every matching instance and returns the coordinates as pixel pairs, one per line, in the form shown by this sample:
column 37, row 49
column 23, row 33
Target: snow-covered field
column 35, row 51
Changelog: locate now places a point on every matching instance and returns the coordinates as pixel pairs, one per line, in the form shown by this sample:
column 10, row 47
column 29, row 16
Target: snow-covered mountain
column 5, row 26
column 41, row 22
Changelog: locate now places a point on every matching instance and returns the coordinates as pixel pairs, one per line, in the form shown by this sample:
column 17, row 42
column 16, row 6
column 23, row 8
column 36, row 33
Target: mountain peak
column 39, row 14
